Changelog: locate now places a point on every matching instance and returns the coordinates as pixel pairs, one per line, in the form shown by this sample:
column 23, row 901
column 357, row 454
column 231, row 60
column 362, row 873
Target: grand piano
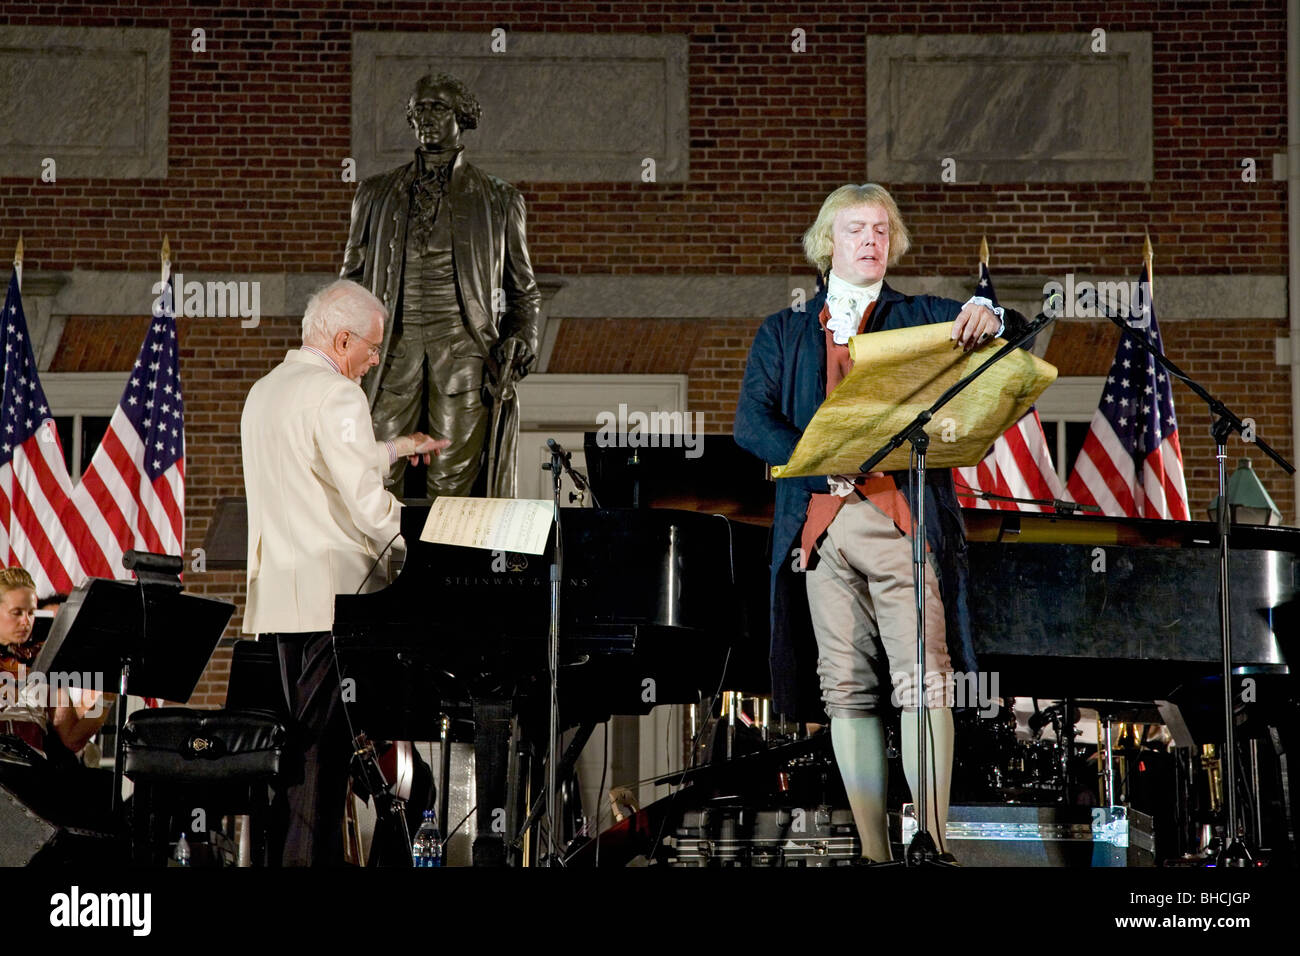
column 1042, row 617
column 652, row 612
column 1083, row 606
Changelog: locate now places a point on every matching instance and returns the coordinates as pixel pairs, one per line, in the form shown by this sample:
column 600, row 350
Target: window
column 1064, row 439
column 82, row 403
column 80, row 436
column 1066, row 410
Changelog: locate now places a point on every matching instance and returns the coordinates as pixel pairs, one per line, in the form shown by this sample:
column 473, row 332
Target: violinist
column 40, row 737
column 25, row 712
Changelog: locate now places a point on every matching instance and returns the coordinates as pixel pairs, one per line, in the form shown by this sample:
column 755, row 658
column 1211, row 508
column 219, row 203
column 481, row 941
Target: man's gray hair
column 343, row 304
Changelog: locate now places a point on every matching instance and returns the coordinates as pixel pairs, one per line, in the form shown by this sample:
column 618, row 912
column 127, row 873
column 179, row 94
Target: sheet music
column 497, row 524
column 896, row 375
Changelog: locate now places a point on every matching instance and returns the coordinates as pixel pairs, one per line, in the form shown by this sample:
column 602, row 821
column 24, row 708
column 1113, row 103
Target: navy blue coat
column 785, row 383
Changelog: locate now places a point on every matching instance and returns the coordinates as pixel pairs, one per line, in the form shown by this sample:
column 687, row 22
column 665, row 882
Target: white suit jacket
column 318, row 513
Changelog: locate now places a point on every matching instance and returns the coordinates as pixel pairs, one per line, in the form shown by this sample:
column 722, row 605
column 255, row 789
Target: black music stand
column 923, row 851
column 155, row 637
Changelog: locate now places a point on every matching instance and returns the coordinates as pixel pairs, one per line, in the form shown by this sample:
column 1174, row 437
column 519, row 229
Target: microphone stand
column 558, row 466
column 152, row 572
column 1235, row 851
column 922, row 851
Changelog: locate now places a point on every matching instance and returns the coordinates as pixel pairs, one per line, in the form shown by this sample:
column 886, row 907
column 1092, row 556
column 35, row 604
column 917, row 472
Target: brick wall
column 259, row 126
column 260, row 123
column 1236, row 364
column 716, row 370
column 627, row 346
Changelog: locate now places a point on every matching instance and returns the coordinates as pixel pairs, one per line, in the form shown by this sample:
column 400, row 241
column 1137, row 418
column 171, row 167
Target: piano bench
column 183, row 761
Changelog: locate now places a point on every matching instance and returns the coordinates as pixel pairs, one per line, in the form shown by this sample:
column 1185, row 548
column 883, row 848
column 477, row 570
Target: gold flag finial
column 166, row 258
column 18, row 251
column 984, row 250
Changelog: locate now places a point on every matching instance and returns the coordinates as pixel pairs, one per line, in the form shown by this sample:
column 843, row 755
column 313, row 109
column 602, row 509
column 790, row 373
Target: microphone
column 564, row 458
column 155, row 569
column 558, row 449
column 157, row 563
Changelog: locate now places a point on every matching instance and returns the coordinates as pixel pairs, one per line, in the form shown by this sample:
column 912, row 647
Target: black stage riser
column 23, row 834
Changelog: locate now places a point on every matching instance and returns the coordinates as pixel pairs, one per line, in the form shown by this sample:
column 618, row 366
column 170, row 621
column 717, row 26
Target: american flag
column 34, row 483
column 133, row 493
column 1131, row 463
column 1019, row 465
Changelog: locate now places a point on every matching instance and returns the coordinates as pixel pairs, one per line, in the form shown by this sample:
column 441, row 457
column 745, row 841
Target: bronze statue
column 442, row 245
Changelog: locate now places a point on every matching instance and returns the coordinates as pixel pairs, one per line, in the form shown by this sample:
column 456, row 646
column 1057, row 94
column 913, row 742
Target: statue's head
column 440, row 108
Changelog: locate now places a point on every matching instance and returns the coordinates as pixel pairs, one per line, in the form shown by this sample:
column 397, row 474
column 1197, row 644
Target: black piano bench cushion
column 177, row 743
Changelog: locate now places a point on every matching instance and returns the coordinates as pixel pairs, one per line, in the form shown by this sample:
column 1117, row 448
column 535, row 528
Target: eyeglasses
column 372, row 349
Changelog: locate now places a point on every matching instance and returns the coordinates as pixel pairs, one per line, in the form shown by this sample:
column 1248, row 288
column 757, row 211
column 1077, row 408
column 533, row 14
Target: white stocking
column 859, row 745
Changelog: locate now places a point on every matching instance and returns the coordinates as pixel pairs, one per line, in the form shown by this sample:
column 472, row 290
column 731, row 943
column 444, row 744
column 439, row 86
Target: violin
column 18, row 658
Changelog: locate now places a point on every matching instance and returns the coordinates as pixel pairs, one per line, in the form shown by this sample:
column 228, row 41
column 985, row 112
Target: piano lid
column 621, row 567
column 1129, row 590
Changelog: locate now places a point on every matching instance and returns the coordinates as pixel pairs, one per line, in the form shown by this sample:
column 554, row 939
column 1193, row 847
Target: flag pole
column 1146, row 258
column 166, row 258
column 18, row 261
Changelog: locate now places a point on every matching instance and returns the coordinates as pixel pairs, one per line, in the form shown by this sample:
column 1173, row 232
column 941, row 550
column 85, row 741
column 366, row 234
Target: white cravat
column 847, row 302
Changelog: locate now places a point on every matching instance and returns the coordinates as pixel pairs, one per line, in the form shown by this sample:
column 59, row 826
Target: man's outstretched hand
column 419, row 447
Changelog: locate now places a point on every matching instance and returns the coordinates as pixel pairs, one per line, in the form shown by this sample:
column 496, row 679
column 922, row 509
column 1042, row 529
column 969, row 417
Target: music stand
column 897, row 378
column 154, row 636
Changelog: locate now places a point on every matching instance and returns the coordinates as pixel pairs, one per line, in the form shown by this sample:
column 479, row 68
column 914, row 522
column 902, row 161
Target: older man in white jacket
column 318, row 520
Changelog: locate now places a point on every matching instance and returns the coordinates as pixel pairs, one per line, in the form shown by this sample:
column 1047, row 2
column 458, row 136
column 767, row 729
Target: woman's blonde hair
column 817, row 241
column 15, row 577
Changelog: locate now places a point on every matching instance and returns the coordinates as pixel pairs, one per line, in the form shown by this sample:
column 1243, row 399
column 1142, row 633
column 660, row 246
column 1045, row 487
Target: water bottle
column 426, row 848
column 182, row 855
